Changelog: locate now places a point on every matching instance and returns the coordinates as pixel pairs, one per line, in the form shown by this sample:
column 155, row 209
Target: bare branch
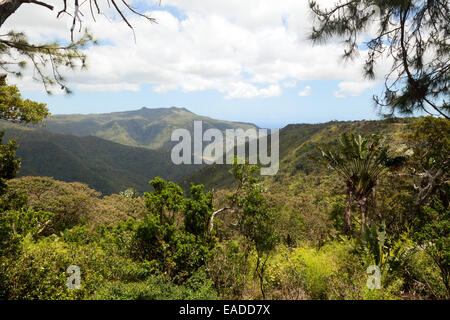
column 211, row 221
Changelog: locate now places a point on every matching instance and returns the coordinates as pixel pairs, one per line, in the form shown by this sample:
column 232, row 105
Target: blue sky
column 233, row 60
column 276, row 112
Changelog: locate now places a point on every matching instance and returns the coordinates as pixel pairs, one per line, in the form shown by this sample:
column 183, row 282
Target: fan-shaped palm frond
column 360, row 161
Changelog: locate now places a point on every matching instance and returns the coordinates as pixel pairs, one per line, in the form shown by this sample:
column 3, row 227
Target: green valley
column 106, row 166
column 346, row 201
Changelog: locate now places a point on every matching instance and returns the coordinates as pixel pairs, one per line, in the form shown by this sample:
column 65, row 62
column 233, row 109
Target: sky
column 234, row 60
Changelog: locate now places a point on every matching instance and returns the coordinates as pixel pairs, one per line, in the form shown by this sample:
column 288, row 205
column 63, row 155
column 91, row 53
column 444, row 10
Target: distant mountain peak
column 144, row 127
column 149, row 110
column 181, row 108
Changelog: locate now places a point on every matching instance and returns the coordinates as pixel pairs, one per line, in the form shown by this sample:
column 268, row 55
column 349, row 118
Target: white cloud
column 353, row 89
column 245, row 90
column 243, row 49
column 306, row 91
column 290, row 84
column 108, row 87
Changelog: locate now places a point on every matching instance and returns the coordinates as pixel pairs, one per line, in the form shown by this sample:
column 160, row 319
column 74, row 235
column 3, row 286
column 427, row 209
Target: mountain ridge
column 146, row 127
column 298, row 143
column 106, row 166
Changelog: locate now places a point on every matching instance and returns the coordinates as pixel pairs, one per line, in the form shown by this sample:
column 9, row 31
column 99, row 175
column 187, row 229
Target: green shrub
column 157, row 288
column 39, row 272
column 228, row 269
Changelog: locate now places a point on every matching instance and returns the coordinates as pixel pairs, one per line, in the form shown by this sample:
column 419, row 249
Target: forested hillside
column 92, row 206
column 148, row 128
column 298, row 143
column 110, row 167
column 341, row 205
column 104, row 165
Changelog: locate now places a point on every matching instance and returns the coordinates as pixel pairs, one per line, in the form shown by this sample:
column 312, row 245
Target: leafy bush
column 70, row 202
column 228, row 269
column 39, row 272
column 332, row 272
column 157, row 288
column 172, row 247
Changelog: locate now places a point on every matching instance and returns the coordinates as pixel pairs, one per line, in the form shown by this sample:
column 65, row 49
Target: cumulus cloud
column 306, row 91
column 245, row 90
column 353, row 89
column 242, row 49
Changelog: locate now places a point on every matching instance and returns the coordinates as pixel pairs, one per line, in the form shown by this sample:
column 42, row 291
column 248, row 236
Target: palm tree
column 361, row 162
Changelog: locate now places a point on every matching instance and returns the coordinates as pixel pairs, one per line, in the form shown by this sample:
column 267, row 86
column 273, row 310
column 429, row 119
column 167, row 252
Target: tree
column 432, row 233
column 173, row 248
column 413, row 34
column 429, row 140
column 197, row 212
column 256, row 220
column 15, row 109
column 166, row 201
column 361, row 162
column 9, row 166
column 49, row 58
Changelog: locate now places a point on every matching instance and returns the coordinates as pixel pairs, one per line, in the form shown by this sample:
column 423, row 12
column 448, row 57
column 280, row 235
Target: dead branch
column 211, row 221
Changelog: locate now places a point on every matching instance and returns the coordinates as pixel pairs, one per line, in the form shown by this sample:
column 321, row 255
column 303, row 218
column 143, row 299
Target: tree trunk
column 211, row 221
column 433, row 178
column 260, row 273
column 363, row 207
column 7, row 8
column 348, row 214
